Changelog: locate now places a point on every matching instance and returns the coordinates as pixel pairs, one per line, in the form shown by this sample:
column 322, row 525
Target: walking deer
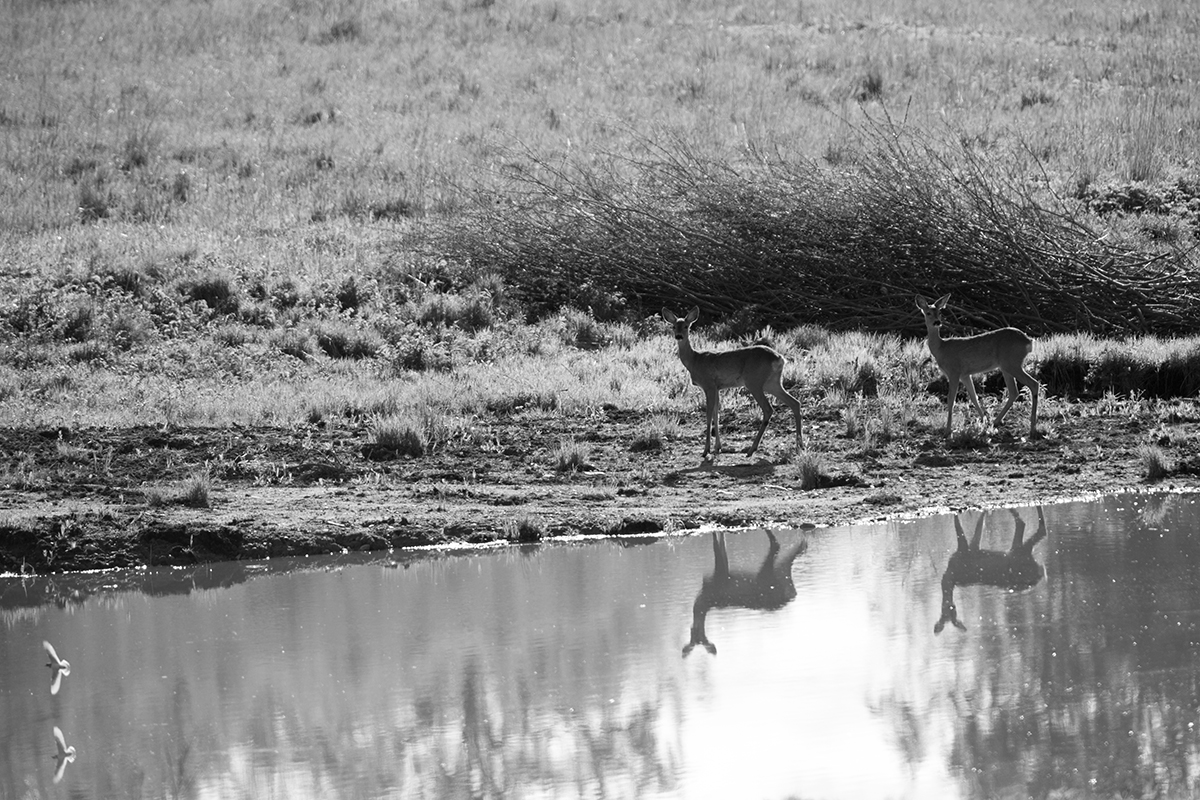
column 758, row 367
column 767, row 589
column 961, row 357
column 971, row 566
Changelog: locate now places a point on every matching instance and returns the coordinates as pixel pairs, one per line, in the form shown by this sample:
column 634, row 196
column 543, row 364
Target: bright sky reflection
column 559, row 671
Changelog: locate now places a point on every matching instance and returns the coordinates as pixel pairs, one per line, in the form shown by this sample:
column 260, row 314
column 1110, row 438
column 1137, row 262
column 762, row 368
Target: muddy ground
column 101, row 498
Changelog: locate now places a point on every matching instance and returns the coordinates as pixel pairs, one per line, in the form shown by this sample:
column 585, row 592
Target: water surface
column 559, row 671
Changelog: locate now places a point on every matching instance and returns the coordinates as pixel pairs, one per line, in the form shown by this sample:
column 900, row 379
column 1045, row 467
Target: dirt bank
column 101, row 498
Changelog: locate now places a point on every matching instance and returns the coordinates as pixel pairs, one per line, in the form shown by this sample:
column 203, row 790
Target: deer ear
column 711, row 648
column 937, row 626
column 692, row 315
column 940, row 303
column 922, row 303
column 958, row 625
column 669, row 315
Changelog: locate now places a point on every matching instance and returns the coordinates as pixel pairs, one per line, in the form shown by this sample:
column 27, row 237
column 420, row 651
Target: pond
column 1014, row 652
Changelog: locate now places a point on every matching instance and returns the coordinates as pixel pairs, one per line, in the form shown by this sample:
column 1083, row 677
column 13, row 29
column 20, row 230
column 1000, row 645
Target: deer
column 767, row 589
column 963, row 356
column 1013, row 569
column 758, row 368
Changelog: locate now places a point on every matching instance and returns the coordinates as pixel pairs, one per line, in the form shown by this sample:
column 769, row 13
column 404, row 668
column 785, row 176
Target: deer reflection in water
column 767, row 589
column 971, row 566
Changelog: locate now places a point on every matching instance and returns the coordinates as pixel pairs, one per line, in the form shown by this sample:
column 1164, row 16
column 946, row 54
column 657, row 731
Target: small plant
column 871, row 85
column 399, row 435
column 1156, row 464
column 570, row 456
column 94, row 201
column 197, row 489
column 852, row 416
column 654, row 432
column 217, row 290
column 292, row 342
column 343, row 340
column 810, row 470
column 525, row 529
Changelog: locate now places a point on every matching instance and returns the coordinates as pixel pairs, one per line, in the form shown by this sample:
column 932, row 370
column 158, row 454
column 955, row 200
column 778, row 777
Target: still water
column 1067, row 663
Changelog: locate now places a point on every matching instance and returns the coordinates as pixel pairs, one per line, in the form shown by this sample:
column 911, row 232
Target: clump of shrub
column 398, row 435
column 654, row 432
column 195, row 492
column 470, row 313
column 340, row 339
column 810, row 470
column 94, row 201
column 525, row 529
column 293, row 342
column 419, row 350
column 1156, row 464
column 570, row 456
column 216, row 290
column 787, row 241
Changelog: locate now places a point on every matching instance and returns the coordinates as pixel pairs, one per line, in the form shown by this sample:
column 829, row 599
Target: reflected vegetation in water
column 1070, row 667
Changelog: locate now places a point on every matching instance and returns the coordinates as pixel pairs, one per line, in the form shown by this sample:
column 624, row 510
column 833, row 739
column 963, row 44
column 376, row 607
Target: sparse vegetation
column 570, row 456
column 525, row 529
column 1155, row 462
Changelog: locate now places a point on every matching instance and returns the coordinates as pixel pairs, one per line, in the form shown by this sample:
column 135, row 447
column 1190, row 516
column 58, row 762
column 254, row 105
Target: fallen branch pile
column 786, row 242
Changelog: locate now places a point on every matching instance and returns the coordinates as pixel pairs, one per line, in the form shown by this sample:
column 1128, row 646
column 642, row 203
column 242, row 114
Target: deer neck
column 933, row 333
column 686, row 354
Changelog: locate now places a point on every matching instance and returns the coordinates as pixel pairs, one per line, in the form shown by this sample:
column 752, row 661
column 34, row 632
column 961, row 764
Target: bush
column 216, row 290
column 342, row 340
column 398, row 435
column 789, row 242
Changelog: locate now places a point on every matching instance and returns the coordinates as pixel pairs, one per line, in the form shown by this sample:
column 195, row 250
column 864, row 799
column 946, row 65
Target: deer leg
column 765, row 405
column 978, row 531
column 1010, row 394
column 1018, row 532
column 950, row 396
column 716, row 419
column 720, row 556
column 1034, row 387
column 969, row 385
column 712, row 400
column 775, row 387
column 949, row 610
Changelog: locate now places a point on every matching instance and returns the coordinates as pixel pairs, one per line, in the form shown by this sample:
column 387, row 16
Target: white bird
column 64, row 756
column 59, row 667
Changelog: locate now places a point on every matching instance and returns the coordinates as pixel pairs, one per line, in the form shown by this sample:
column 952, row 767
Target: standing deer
column 961, row 357
column 768, row 589
column 971, row 566
column 758, row 367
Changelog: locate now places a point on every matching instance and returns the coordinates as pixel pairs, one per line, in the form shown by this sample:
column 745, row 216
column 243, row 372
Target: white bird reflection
column 59, row 668
column 64, row 755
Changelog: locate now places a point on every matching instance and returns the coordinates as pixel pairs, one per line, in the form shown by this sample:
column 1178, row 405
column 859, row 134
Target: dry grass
column 198, row 246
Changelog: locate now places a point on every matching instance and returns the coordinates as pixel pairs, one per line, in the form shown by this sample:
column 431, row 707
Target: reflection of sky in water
column 558, row 672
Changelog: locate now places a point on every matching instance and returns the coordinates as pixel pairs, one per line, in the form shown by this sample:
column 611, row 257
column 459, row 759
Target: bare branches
column 788, row 242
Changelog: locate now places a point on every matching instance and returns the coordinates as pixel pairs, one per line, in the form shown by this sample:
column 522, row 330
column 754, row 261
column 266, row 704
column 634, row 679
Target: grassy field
column 220, row 212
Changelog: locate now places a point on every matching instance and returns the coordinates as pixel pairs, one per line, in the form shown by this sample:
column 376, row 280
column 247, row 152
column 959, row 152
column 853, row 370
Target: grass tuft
column 810, row 470
column 400, row 435
column 525, row 529
column 197, row 490
column 570, row 456
column 1156, row 464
